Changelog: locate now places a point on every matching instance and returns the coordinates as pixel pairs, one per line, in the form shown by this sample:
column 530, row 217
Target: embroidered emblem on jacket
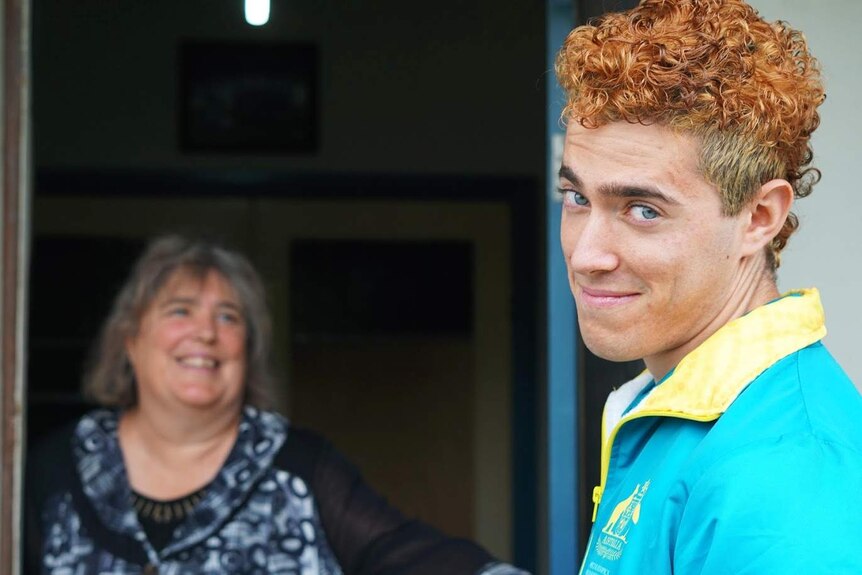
column 614, row 535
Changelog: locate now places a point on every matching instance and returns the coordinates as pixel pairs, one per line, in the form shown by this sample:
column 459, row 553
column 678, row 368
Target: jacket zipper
column 599, row 489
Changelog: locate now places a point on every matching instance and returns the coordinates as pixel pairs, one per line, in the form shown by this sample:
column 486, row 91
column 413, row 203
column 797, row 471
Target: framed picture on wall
column 248, row 97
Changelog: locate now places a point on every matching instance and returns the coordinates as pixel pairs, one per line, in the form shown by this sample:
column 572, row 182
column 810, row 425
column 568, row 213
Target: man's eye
column 178, row 311
column 573, row 198
column 644, row 213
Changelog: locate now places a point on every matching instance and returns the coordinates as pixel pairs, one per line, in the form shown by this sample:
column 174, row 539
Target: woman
column 183, row 472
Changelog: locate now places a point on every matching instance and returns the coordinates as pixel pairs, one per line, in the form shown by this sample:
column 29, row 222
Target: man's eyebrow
column 620, row 190
column 569, row 174
column 637, row 192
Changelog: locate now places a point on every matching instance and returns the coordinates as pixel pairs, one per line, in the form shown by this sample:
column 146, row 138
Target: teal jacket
column 746, row 458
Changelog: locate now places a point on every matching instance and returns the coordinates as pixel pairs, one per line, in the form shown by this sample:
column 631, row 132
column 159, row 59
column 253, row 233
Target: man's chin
column 611, row 349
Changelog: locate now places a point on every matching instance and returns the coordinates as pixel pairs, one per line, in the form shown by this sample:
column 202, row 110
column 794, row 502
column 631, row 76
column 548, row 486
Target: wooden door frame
column 14, row 234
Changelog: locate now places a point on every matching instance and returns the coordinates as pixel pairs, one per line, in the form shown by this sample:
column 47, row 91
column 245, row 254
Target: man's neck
column 759, row 290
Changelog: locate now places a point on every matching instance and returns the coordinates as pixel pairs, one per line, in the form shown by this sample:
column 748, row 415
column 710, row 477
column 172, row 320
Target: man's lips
column 604, row 298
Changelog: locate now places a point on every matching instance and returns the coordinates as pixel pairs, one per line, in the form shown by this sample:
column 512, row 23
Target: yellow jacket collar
column 708, row 379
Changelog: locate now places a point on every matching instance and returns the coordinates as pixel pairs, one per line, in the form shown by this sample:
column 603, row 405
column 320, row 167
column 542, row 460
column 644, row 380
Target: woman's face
column 190, row 347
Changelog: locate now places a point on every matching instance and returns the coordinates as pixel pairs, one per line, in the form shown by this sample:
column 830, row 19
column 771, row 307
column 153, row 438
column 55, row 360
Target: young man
column 739, row 450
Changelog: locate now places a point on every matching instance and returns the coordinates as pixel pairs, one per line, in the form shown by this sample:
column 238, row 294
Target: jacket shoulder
column 806, row 394
column 778, row 506
column 833, row 404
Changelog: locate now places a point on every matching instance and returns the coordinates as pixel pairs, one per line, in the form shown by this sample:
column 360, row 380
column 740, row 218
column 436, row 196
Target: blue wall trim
column 562, row 342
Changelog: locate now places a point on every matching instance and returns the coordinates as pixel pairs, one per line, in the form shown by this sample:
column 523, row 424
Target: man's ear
column 768, row 210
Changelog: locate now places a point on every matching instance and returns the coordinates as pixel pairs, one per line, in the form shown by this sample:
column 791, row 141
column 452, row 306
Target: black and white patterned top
column 285, row 502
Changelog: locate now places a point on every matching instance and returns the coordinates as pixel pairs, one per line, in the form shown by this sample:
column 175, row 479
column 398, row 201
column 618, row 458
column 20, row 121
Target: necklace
column 166, row 511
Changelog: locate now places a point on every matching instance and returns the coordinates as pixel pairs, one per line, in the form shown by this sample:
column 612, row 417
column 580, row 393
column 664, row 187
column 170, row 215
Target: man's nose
column 595, row 248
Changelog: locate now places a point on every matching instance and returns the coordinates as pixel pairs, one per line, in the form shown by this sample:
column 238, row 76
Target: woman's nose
column 205, row 327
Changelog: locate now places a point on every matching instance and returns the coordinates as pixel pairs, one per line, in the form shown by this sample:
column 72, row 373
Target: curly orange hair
column 747, row 89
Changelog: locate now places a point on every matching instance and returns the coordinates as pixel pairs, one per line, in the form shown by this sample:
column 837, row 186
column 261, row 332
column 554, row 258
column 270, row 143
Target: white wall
column 826, row 252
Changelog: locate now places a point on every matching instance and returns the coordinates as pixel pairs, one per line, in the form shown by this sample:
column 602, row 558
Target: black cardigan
column 366, row 535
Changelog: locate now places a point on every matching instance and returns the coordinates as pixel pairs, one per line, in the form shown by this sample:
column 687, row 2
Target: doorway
column 422, row 402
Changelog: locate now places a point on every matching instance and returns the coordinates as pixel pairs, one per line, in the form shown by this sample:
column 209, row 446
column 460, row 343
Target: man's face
column 654, row 266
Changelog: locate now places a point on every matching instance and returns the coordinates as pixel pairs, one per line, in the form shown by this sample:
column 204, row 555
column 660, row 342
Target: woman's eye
column 644, row 213
column 231, row 318
column 178, row 311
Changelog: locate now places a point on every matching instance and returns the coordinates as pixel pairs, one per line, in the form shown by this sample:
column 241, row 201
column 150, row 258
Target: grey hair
column 109, row 379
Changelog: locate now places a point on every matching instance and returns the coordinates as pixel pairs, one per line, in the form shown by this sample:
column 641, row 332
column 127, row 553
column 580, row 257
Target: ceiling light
column 257, row 12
